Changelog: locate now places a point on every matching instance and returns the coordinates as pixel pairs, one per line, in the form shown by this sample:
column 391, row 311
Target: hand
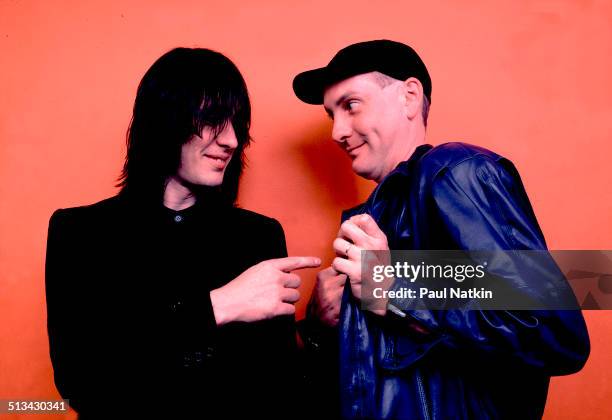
column 358, row 233
column 327, row 296
column 264, row 291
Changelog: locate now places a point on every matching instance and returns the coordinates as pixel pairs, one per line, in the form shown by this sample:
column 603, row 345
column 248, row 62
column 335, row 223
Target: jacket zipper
column 422, row 395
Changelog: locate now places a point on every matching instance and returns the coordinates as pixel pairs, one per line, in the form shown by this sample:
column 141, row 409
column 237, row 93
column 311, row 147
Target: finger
column 288, row 264
column 331, row 276
column 285, row 309
column 339, row 279
column 353, row 233
column 328, row 272
column 290, row 295
column 344, row 266
column 347, row 250
column 341, row 246
column 332, row 283
column 368, row 225
column 291, row 280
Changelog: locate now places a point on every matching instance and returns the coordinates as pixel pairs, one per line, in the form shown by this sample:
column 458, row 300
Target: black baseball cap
column 392, row 58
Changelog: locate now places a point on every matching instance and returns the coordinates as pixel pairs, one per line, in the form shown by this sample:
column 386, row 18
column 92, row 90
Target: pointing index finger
column 289, row 264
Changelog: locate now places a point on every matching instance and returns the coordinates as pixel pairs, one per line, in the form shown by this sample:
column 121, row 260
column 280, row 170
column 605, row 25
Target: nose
column 341, row 130
column 227, row 138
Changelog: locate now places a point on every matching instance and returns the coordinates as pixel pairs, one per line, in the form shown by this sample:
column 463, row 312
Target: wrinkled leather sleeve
column 482, row 203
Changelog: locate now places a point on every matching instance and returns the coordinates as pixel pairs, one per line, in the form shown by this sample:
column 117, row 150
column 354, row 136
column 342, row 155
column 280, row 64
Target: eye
column 351, row 105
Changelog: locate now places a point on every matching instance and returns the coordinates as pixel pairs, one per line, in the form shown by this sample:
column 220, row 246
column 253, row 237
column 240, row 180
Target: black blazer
column 131, row 327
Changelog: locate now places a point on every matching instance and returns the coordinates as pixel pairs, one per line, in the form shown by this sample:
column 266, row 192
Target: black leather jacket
column 472, row 364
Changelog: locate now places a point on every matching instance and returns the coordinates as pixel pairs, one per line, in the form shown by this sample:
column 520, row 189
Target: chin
column 210, row 181
column 215, row 183
column 362, row 171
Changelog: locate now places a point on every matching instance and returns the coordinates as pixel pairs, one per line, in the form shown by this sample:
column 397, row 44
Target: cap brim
column 309, row 85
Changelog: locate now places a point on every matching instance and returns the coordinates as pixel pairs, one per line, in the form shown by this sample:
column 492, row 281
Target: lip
column 219, row 157
column 350, row 150
column 219, row 161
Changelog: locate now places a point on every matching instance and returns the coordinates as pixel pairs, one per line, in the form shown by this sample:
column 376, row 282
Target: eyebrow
column 339, row 101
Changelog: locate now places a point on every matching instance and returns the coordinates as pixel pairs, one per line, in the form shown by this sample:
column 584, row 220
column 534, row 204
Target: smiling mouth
column 219, row 161
column 351, row 149
column 218, row 158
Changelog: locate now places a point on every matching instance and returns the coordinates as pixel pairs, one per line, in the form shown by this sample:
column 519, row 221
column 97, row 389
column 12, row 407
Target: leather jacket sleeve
column 483, row 204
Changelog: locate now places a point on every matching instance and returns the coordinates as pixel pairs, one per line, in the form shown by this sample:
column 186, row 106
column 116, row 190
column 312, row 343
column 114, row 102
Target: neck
column 177, row 196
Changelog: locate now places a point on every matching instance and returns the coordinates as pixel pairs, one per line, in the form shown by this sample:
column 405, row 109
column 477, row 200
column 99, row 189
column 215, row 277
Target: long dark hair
column 184, row 91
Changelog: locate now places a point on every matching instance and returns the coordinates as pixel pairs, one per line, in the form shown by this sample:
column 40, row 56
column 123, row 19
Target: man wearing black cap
column 396, row 363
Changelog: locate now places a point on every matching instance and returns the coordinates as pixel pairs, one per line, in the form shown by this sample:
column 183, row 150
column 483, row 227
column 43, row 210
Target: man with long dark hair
column 167, row 297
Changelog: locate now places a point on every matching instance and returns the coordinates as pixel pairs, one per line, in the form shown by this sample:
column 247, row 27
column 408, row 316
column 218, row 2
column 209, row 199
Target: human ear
column 412, row 95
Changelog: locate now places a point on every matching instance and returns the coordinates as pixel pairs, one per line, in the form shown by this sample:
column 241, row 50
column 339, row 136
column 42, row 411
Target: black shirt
column 131, row 325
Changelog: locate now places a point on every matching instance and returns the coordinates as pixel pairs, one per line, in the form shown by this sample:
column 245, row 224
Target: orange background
column 529, row 79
